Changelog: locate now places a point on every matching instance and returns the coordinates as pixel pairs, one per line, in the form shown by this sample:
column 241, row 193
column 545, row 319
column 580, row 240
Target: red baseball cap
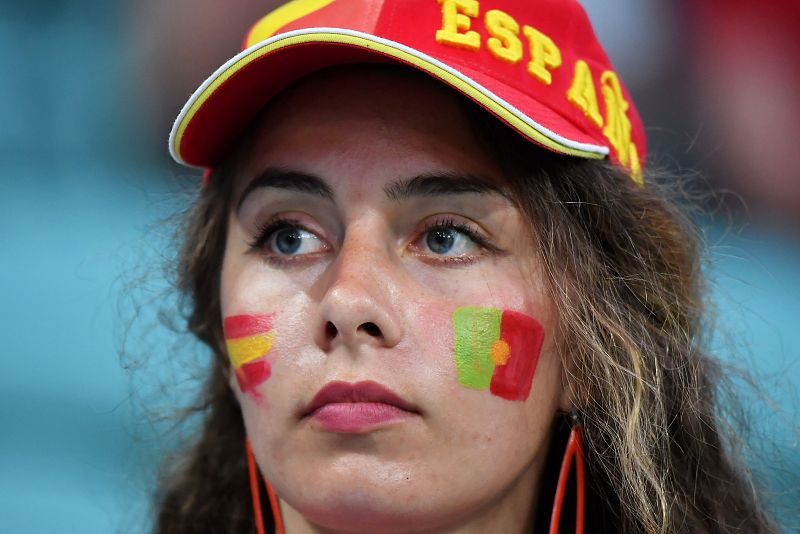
column 536, row 65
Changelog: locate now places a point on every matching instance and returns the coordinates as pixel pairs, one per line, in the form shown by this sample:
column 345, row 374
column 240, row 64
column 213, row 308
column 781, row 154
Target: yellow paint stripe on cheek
column 247, row 349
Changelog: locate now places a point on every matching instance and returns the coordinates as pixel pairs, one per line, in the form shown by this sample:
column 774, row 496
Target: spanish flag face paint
column 248, row 339
column 496, row 350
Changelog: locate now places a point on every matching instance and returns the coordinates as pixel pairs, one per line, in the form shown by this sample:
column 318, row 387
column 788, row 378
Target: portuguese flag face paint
column 497, row 350
column 249, row 339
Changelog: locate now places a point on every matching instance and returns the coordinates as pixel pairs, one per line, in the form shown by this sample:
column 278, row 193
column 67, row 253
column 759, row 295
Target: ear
column 566, row 402
column 225, row 370
column 233, row 383
column 222, row 361
column 230, row 377
column 574, row 393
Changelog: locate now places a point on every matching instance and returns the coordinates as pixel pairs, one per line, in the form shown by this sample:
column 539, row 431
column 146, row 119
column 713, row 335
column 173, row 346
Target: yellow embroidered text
column 456, row 15
column 618, row 125
column 504, row 43
column 545, row 55
column 583, row 95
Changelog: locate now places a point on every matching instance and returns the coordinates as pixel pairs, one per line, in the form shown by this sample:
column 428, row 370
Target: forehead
column 369, row 124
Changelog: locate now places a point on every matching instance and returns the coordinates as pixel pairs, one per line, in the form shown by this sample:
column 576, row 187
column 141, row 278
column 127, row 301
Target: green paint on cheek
column 475, row 329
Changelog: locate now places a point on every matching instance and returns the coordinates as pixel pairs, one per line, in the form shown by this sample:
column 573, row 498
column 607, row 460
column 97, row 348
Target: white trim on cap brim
column 600, row 150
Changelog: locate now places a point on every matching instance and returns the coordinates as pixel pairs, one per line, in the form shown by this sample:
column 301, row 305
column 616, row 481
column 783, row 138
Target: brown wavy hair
column 622, row 267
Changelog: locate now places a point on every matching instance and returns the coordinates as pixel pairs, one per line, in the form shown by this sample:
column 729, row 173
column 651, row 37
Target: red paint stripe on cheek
column 252, row 374
column 237, row 326
column 525, row 337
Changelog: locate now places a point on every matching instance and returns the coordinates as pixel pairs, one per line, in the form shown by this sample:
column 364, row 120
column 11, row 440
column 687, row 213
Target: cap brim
column 222, row 107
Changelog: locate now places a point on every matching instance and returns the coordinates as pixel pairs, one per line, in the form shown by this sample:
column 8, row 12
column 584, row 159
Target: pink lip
column 357, row 408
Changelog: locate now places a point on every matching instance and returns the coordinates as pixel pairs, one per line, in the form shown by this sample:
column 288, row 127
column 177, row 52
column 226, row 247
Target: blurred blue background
column 87, row 94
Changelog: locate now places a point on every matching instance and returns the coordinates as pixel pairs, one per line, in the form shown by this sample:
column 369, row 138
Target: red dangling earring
column 574, row 451
column 252, row 471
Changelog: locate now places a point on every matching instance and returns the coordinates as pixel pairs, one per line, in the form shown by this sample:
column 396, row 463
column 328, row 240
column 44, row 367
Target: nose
column 360, row 301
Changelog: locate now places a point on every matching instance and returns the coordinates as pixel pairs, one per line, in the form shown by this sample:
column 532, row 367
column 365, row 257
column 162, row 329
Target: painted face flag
column 248, row 339
column 497, row 350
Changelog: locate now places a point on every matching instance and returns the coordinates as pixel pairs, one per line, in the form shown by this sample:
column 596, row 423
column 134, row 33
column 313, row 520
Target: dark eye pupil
column 440, row 241
column 288, row 240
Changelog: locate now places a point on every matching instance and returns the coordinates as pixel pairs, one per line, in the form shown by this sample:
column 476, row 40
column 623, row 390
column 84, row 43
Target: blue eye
column 448, row 240
column 287, row 239
column 441, row 240
column 293, row 240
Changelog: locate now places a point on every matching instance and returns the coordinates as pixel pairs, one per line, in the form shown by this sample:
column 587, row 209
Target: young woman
column 427, row 295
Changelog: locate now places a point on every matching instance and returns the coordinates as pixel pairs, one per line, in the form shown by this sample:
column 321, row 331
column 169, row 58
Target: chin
column 365, row 513
column 372, row 501
column 358, row 515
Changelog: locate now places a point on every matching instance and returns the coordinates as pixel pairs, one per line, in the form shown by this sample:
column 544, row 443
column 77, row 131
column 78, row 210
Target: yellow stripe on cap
column 286, row 14
column 246, row 349
column 503, row 110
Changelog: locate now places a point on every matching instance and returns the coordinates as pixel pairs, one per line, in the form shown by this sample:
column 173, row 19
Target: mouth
column 357, row 408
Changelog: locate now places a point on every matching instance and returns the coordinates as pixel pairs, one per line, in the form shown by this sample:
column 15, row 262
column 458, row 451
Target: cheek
column 248, row 339
column 509, row 387
column 255, row 345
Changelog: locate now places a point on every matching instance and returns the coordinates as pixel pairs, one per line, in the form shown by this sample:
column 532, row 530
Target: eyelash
column 265, row 231
column 448, row 223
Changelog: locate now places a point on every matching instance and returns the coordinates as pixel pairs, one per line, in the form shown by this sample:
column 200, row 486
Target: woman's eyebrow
column 434, row 185
column 290, row 180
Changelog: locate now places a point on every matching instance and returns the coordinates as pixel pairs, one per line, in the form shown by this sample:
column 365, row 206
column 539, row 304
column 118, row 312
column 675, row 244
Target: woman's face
column 389, row 333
